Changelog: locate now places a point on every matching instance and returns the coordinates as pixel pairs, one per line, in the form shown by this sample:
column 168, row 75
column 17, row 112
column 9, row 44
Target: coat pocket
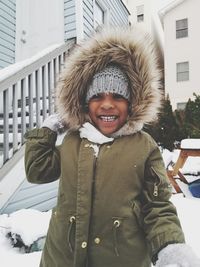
column 127, row 229
column 63, row 228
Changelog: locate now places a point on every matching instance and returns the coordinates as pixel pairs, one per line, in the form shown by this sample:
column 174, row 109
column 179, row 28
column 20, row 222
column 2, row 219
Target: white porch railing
column 26, row 98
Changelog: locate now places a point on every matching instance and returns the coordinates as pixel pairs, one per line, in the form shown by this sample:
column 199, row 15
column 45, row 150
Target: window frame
column 182, row 30
column 99, row 5
column 181, row 71
column 140, row 13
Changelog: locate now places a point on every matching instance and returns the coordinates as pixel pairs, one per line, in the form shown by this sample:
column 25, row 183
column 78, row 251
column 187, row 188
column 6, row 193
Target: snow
column 12, row 69
column 188, row 209
column 167, row 157
column 32, row 224
column 190, row 143
column 89, row 132
column 19, row 222
column 96, row 149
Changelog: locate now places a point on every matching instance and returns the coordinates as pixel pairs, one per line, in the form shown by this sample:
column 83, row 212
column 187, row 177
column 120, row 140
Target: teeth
column 108, row 118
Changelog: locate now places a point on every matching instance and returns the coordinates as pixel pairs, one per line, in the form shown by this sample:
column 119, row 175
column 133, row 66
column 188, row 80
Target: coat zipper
column 156, row 184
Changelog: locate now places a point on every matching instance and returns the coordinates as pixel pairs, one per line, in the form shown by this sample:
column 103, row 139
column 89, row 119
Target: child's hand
column 177, row 255
column 54, row 123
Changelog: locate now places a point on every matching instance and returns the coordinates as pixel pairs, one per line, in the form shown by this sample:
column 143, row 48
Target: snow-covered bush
column 26, row 229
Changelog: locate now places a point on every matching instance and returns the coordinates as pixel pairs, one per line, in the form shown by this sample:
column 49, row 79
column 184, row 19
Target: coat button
column 97, row 240
column 84, row 244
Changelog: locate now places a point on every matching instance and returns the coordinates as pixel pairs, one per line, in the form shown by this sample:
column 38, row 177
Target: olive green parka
column 113, row 210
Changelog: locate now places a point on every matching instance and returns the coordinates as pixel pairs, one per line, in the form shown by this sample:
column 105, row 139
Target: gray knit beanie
column 109, row 80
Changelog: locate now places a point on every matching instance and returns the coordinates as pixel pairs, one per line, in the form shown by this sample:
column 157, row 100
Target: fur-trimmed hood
column 134, row 52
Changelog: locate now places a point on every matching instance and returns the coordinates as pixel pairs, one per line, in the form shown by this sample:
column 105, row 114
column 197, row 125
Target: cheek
column 91, row 109
column 125, row 110
column 125, row 115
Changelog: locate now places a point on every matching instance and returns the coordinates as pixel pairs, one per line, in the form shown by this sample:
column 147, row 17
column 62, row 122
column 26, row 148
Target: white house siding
column 69, row 19
column 115, row 14
column 181, row 50
column 88, row 21
column 118, row 15
column 7, row 32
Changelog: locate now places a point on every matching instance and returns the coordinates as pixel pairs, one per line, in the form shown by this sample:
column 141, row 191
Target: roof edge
column 125, row 6
column 162, row 12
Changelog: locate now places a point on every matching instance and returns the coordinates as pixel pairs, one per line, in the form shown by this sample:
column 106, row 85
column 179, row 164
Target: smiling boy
column 108, row 98
column 113, row 207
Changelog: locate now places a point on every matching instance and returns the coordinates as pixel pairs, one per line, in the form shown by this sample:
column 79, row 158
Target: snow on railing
column 26, row 96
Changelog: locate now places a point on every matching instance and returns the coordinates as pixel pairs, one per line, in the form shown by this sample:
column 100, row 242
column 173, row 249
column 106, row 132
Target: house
column 37, row 36
column 28, row 27
column 180, row 20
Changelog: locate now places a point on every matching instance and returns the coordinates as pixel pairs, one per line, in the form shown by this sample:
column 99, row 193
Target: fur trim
column 134, row 52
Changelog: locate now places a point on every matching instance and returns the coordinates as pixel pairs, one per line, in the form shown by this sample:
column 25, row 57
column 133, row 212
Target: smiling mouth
column 108, row 118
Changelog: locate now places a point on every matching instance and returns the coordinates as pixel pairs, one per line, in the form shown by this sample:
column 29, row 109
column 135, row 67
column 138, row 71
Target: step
column 10, row 121
column 10, row 115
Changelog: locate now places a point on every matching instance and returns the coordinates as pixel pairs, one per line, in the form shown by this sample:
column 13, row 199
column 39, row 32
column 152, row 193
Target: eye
column 118, row 96
column 96, row 97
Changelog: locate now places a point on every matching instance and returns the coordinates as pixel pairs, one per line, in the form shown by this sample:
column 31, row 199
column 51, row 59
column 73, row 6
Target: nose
column 107, row 102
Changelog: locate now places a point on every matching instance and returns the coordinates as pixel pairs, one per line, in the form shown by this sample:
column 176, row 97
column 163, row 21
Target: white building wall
column 39, row 23
column 148, row 7
column 151, row 23
column 181, row 50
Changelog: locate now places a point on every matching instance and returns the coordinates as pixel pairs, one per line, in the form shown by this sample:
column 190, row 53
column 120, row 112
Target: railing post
column 5, row 126
column 44, row 91
column 15, row 117
column 51, row 85
column 24, row 87
column 38, row 94
column 31, row 89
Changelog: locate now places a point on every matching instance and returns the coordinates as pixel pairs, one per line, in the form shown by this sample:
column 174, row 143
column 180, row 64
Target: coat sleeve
column 42, row 157
column 160, row 220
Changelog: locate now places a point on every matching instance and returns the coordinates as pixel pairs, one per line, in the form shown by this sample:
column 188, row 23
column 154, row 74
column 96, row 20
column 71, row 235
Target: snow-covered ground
column 31, row 224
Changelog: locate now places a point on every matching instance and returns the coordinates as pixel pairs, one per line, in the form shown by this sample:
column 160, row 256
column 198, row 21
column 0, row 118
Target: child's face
column 108, row 112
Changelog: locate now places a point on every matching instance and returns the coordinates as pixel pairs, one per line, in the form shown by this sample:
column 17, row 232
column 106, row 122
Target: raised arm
column 42, row 157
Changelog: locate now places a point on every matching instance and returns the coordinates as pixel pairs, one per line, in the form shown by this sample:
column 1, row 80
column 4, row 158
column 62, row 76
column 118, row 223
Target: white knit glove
column 54, row 123
column 177, row 255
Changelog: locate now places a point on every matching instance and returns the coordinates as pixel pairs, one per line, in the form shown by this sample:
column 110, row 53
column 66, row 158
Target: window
column 140, row 13
column 182, row 71
column 99, row 18
column 181, row 28
column 181, row 105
